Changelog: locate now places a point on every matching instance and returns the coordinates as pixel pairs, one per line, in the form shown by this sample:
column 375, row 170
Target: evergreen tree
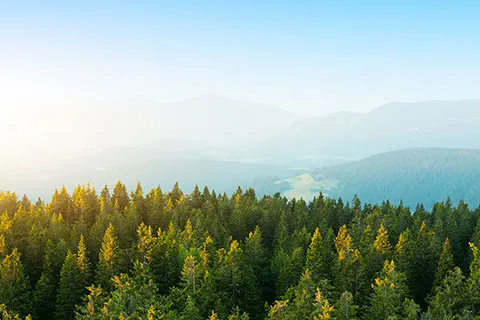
column 176, row 195
column 191, row 311
column 422, row 264
column 120, row 198
column 108, row 260
column 473, row 281
column 14, row 285
column 62, row 204
column 345, row 309
column 256, row 258
column 450, row 296
column 389, row 296
column 290, row 271
column 134, row 297
column 191, row 277
column 45, row 289
column 74, row 279
column 83, row 264
column 235, row 279
column 445, row 264
column 70, row 289
column 346, row 262
column 139, row 203
column 319, row 258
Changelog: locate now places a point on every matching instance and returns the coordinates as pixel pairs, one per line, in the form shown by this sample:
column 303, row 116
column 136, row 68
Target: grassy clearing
column 304, row 186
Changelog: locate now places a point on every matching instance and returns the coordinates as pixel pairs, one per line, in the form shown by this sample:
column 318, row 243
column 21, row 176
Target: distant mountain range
column 210, row 120
column 394, row 126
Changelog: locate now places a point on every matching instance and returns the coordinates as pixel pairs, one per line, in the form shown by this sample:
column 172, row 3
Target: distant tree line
column 202, row 255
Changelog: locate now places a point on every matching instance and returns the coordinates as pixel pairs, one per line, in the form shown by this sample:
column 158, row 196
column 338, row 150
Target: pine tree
column 236, row 279
column 473, row 281
column 106, row 205
column 120, row 198
column 14, row 285
column 62, row 204
column 445, row 264
column 83, row 264
column 74, row 279
column 290, row 271
column 374, row 256
column 139, row 203
column 134, row 297
column 108, row 260
column 346, row 262
column 157, row 216
column 389, row 296
column 191, row 311
column 45, row 289
column 319, row 258
column 176, row 195
column 345, row 309
column 450, row 297
column 256, row 258
column 191, row 277
column 323, row 309
column 71, row 288
column 422, row 264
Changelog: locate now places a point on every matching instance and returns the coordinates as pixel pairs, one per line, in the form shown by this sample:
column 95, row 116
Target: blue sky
column 311, row 57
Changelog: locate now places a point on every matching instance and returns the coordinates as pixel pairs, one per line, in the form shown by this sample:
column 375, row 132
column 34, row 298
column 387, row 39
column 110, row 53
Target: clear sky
column 311, row 57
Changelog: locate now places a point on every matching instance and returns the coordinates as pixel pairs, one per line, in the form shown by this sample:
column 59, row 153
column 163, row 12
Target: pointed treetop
column 82, row 258
column 382, row 244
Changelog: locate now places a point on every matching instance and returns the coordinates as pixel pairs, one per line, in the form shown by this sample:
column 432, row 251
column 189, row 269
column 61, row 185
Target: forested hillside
column 424, row 175
column 201, row 255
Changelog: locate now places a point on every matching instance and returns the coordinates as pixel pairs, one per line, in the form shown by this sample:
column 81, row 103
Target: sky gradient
column 309, row 57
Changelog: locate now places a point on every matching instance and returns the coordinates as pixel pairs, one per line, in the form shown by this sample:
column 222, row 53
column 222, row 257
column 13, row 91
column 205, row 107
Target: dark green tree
column 14, row 285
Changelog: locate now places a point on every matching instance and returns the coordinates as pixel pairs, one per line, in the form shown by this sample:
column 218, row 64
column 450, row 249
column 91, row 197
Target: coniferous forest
column 201, row 255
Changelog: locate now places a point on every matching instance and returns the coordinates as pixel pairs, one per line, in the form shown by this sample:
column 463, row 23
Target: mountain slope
column 411, row 175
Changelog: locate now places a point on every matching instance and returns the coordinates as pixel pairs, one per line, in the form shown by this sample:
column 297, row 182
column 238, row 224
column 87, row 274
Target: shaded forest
column 202, row 255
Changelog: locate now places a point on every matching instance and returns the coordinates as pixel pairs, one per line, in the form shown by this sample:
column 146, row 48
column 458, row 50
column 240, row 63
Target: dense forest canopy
column 201, row 255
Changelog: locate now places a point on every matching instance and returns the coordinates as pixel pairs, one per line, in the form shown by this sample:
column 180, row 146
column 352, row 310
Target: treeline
column 202, row 255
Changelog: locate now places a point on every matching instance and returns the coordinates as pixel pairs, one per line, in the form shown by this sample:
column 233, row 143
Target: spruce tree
column 450, row 298
column 14, row 285
column 473, row 281
column 74, row 279
column 70, row 289
column 389, row 296
column 445, row 263
column 319, row 258
column 346, row 263
column 345, row 309
column 108, row 260
column 120, row 198
column 45, row 289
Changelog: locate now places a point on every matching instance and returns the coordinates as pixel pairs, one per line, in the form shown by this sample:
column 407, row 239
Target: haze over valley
column 223, row 143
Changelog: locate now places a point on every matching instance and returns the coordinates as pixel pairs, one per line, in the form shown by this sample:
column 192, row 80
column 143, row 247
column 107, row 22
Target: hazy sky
column 311, row 57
